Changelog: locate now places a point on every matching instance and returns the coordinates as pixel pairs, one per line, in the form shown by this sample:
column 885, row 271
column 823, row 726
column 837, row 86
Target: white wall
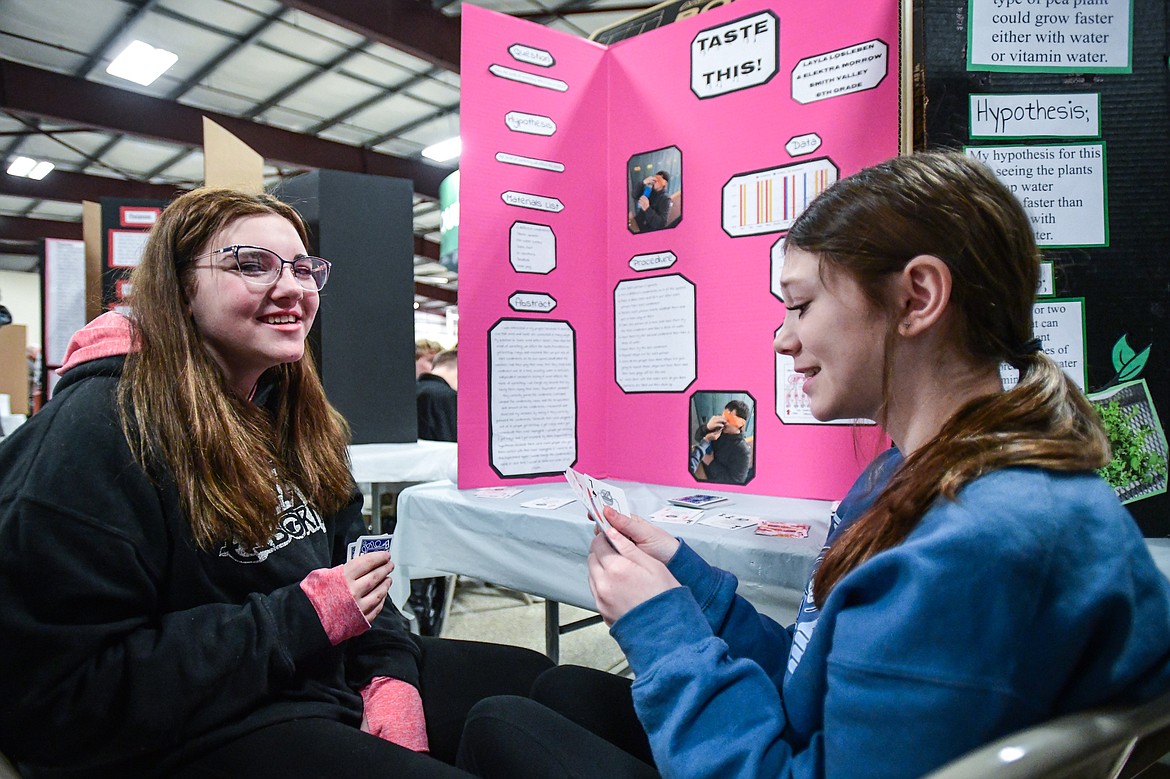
column 21, row 294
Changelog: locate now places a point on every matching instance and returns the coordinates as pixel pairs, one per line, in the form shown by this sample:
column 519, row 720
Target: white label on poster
column 1047, row 286
column 536, row 302
column 803, row 144
column 126, row 247
column 656, row 261
column 768, row 201
column 792, row 405
column 532, row 124
column 1060, row 326
column 64, row 296
column 1085, row 36
column 138, row 217
column 1062, row 189
column 654, row 334
column 1036, row 116
column 840, row 72
column 544, row 82
column 533, row 397
column 530, row 55
column 532, row 248
column 734, row 56
column 777, row 268
column 529, row 162
column 537, row 202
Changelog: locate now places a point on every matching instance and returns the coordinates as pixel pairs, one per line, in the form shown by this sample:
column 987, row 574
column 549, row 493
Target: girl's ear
column 924, row 287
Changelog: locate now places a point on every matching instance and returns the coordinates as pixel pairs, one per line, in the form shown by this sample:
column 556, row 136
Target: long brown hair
column 950, row 206
column 223, row 452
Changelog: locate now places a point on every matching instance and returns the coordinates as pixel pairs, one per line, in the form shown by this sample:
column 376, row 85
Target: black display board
column 364, row 334
column 1126, row 284
column 125, row 224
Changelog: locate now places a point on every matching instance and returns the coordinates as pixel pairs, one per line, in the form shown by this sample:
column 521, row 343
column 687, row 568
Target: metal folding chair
column 1108, row 743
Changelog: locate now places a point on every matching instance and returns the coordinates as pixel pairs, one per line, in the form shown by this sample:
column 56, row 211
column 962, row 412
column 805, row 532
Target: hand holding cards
column 595, row 495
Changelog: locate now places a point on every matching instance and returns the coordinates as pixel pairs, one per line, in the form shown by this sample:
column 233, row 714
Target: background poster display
column 1044, row 92
column 617, row 216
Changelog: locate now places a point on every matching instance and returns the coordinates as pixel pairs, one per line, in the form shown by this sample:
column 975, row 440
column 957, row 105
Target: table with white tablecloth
column 391, row 467
column 444, row 530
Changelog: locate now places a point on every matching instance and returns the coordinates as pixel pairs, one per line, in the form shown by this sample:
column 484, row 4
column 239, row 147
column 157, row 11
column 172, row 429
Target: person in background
column 978, row 578
column 724, row 453
column 36, row 392
column 437, row 398
column 437, row 421
column 424, row 352
column 175, row 595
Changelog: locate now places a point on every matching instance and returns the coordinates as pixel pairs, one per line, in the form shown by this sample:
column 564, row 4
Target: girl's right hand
column 651, row 539
column 368, row 578
column 622, row 575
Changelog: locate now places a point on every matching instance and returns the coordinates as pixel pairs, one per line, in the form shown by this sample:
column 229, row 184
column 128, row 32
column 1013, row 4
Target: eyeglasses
column 262, row 267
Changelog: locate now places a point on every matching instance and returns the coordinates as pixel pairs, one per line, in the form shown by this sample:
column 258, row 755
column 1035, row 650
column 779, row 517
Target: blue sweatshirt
column 1031, row 595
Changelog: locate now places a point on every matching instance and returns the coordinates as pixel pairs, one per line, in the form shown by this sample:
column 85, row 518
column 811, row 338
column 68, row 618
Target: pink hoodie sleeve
column 394, row 712
column 339, row 613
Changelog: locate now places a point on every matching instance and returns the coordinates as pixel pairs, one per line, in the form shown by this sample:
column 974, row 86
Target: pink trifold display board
column 594, row 339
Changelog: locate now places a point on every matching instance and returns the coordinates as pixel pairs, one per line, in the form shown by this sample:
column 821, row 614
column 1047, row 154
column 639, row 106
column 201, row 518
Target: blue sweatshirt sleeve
column 748, row 633
column 707, row 713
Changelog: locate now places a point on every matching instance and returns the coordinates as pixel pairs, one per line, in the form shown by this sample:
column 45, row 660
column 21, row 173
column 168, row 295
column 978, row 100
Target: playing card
column 546, row 503
column 729, row 521
column 697, row 500
column 497, row 492
column 595, row 495
column 605, row 494
column 676, row 515
column 367, row 544
column 784, row 529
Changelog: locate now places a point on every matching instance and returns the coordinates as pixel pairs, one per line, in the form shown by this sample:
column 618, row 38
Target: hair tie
column 1021, row 355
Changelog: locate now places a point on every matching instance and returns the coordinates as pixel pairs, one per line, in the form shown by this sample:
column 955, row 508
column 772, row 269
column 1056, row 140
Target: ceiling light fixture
column 27, row 167
column 40, row 170
column 444, row 150
column 141, row 63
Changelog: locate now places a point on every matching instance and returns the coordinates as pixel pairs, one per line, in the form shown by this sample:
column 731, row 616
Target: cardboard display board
column 14, row 367
column 605, row 308
column 229, row 162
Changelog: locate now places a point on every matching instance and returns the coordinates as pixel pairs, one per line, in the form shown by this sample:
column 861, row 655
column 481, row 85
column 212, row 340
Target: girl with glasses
column 175, row 598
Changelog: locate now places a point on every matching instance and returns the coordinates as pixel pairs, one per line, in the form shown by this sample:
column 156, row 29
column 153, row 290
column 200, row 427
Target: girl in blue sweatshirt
column 977, row 579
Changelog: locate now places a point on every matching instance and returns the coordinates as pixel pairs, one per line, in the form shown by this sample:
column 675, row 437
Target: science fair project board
column 590, row 339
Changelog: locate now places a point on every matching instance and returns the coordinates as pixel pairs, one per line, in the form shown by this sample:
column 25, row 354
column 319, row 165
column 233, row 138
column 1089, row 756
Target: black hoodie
column 124, row 648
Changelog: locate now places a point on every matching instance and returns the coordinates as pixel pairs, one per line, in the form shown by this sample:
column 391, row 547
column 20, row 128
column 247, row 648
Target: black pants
column 578, row 722
column 454, row 675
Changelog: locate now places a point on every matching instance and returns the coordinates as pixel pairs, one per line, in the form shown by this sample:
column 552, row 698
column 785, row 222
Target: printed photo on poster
column 723, row 437
column 655, row 186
